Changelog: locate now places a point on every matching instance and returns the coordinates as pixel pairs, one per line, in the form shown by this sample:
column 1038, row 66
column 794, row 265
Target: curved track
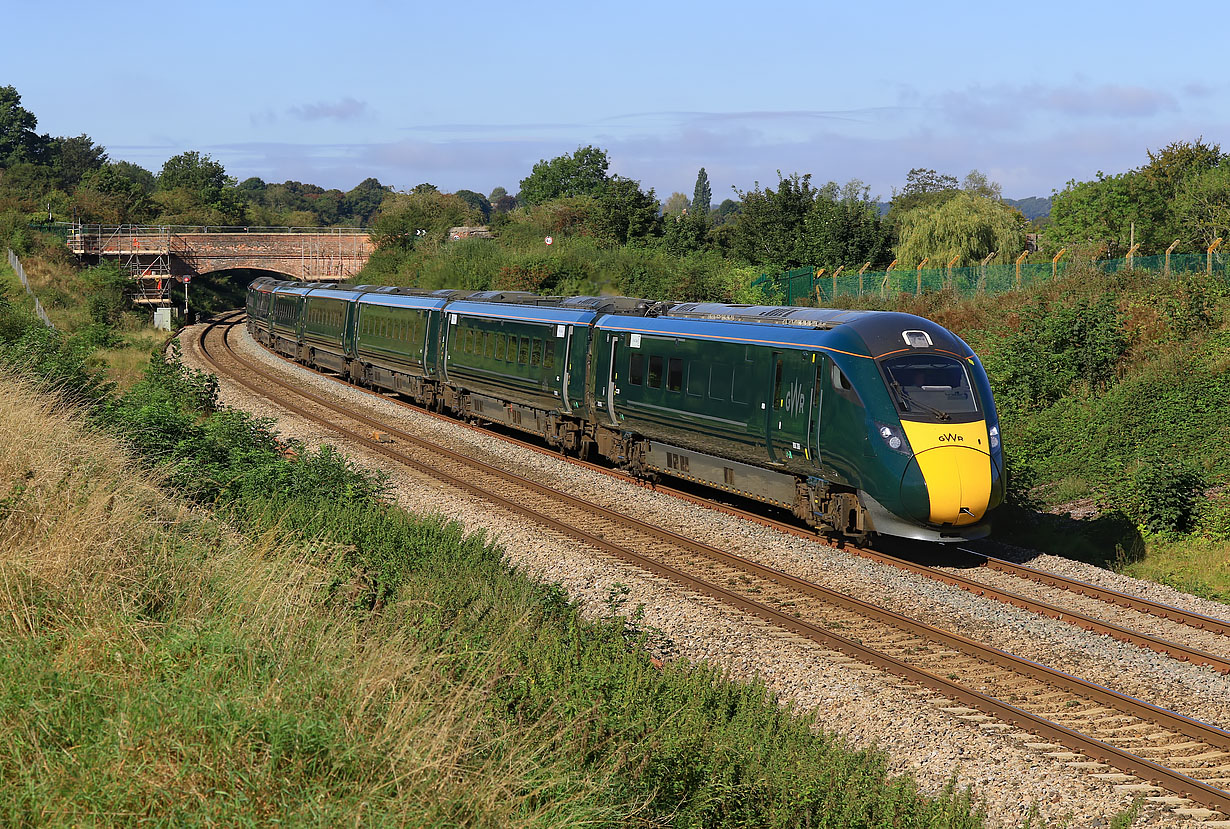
column 1183, row 755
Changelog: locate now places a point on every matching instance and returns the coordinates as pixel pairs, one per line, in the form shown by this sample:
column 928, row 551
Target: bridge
column 157, row 256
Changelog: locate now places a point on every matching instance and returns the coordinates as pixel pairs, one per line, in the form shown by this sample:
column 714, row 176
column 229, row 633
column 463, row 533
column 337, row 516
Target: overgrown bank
column 314, row 655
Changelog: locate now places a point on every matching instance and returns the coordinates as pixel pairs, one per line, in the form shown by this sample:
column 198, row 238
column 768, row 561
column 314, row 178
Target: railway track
column 1075, row 717
column 1091, row 613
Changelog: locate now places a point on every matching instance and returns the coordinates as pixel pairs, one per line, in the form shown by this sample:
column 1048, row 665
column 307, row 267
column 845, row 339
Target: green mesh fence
column 801, row 286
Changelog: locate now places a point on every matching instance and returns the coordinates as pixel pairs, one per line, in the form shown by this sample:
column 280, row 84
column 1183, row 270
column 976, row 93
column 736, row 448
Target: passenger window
column 778, row 400
column 523, row 351
column 674, row 374
column 698, row 374
column 655, row 372
column 487, row 343
column 536, row 353
column 548, row 354
column 719, row 381
column 499, row 346
column 636, row 369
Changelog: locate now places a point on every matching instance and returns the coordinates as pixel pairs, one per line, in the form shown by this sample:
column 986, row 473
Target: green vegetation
column 312, row 654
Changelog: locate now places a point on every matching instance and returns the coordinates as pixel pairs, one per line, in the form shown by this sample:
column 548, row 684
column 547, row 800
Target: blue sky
column 471, row 95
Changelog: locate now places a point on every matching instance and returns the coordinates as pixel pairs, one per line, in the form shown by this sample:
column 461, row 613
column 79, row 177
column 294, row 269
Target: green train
column 858, row 422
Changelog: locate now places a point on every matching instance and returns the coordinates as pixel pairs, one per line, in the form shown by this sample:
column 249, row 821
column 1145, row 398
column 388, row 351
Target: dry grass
column 211, row 676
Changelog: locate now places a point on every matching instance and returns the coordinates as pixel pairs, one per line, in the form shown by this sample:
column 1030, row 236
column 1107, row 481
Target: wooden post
column 816, row 284
column 835, row 275
column 952, row 262
column 1166, row 267
column 982, row 273
column 1131, row 254
column 862, row 271
column 1019, row 260
column 887, row 271
column 926, row 259
column 1055, row 264
column 1208, row 267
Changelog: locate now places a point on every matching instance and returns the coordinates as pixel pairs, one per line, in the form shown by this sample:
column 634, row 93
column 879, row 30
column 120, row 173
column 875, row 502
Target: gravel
column 866, row 706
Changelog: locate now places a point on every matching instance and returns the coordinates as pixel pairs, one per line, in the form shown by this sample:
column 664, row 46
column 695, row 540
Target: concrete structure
column 156, row 256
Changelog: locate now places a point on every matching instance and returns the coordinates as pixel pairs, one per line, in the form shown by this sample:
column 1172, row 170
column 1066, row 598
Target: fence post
column 887, row 271
column 836, row 273
column 1166, row 267
column 815, row 283
column 861, row 271
column 1055, row 264
column 1209, row 255
column 1019, row 260
column 926, row 259
column 1131, row 254
column 982, row 273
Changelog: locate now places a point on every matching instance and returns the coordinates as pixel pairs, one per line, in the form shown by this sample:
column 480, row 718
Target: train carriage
column 260, row 307
column 857, row 421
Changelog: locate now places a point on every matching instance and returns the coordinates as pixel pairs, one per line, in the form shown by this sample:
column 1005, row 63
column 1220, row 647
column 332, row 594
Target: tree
column 770, row 231
column 977, row 183
column 476, row 200
column 1203, row 205
column 425, row 187
column 194, row 189
column 107, row 196
column 581, row 174
column 966, row 226
column 18, row 141
column 727, row 211
column 675, row 205
column 361, row 203
column 922, row 186
column 844, row 227
column 1101, row 214
column 403, row 215
column 1170, row 166
column 702, row 196
column 623, row 213
column 497, row 194
column 137, row 174
column 72, row 158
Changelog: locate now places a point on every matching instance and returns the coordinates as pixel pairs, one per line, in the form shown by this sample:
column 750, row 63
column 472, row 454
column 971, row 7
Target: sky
column 472, row 95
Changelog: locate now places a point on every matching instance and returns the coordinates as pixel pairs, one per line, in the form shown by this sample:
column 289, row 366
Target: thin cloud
column 347, row 109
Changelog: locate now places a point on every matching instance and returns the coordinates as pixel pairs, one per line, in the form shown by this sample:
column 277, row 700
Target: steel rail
column 1118, row 758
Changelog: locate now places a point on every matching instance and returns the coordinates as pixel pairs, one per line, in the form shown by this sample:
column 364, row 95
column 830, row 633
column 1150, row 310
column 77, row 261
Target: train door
column 788, row 409
column 576, row 357
column 843, row 437
column 603, row 389
column 814, row 447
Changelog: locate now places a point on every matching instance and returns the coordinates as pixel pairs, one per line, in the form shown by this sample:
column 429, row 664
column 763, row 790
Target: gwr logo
column 793, row 402
column 951, row 438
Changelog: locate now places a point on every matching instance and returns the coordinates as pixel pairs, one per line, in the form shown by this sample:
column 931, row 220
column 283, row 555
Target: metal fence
column 15, row 264
column 820, row 286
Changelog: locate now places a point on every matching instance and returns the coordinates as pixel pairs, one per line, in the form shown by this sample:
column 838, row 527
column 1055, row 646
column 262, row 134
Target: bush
column 1159, row 494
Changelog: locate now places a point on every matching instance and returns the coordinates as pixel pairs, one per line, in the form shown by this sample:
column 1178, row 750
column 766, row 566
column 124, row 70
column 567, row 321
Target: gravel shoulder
column 866, row 706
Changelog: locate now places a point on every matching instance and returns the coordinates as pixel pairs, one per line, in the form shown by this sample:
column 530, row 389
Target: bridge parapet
column 170, row 252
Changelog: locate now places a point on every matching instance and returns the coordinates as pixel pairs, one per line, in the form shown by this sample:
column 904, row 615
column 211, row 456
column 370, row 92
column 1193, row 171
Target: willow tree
column 967, row 226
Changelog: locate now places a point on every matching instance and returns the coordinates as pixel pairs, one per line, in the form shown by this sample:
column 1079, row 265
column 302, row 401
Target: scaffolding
column 144, row 253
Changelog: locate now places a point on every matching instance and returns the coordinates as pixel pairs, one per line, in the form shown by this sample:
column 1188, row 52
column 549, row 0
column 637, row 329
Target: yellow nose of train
column 955, row 462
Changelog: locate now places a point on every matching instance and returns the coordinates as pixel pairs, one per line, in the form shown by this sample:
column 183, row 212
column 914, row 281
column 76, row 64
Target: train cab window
column 843, row 386
column 720, row 377
column 536, row 352
column 636, row 369
column 523, row 351
column 655, row 372
column 698, row 375
column 548, row 354
column 930, row 386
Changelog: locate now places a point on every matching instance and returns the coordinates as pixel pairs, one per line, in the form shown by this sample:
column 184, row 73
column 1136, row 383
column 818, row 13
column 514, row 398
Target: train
column 859, row 423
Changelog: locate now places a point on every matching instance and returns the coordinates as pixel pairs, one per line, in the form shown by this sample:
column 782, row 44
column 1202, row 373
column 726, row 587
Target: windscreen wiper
column 909, row 401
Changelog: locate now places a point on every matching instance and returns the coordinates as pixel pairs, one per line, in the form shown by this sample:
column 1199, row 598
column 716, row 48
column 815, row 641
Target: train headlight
column 895, row 439
column 994, row 436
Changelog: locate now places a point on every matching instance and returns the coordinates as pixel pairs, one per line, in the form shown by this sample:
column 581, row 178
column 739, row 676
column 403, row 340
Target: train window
column 655, row 372
column 674, row 374
column 636, row 369
column 499, row 346
column 843, row 386
column 815, row 390
column 778, row 400
column 536, row 352
column 719, row 381
column 523, row 351
column 930, row 386
column 469, row 341
column 698, row 376
column 548, row 354
column 487, row 345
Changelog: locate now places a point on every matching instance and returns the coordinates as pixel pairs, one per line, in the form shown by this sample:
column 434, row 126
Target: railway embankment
column 202, row 622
